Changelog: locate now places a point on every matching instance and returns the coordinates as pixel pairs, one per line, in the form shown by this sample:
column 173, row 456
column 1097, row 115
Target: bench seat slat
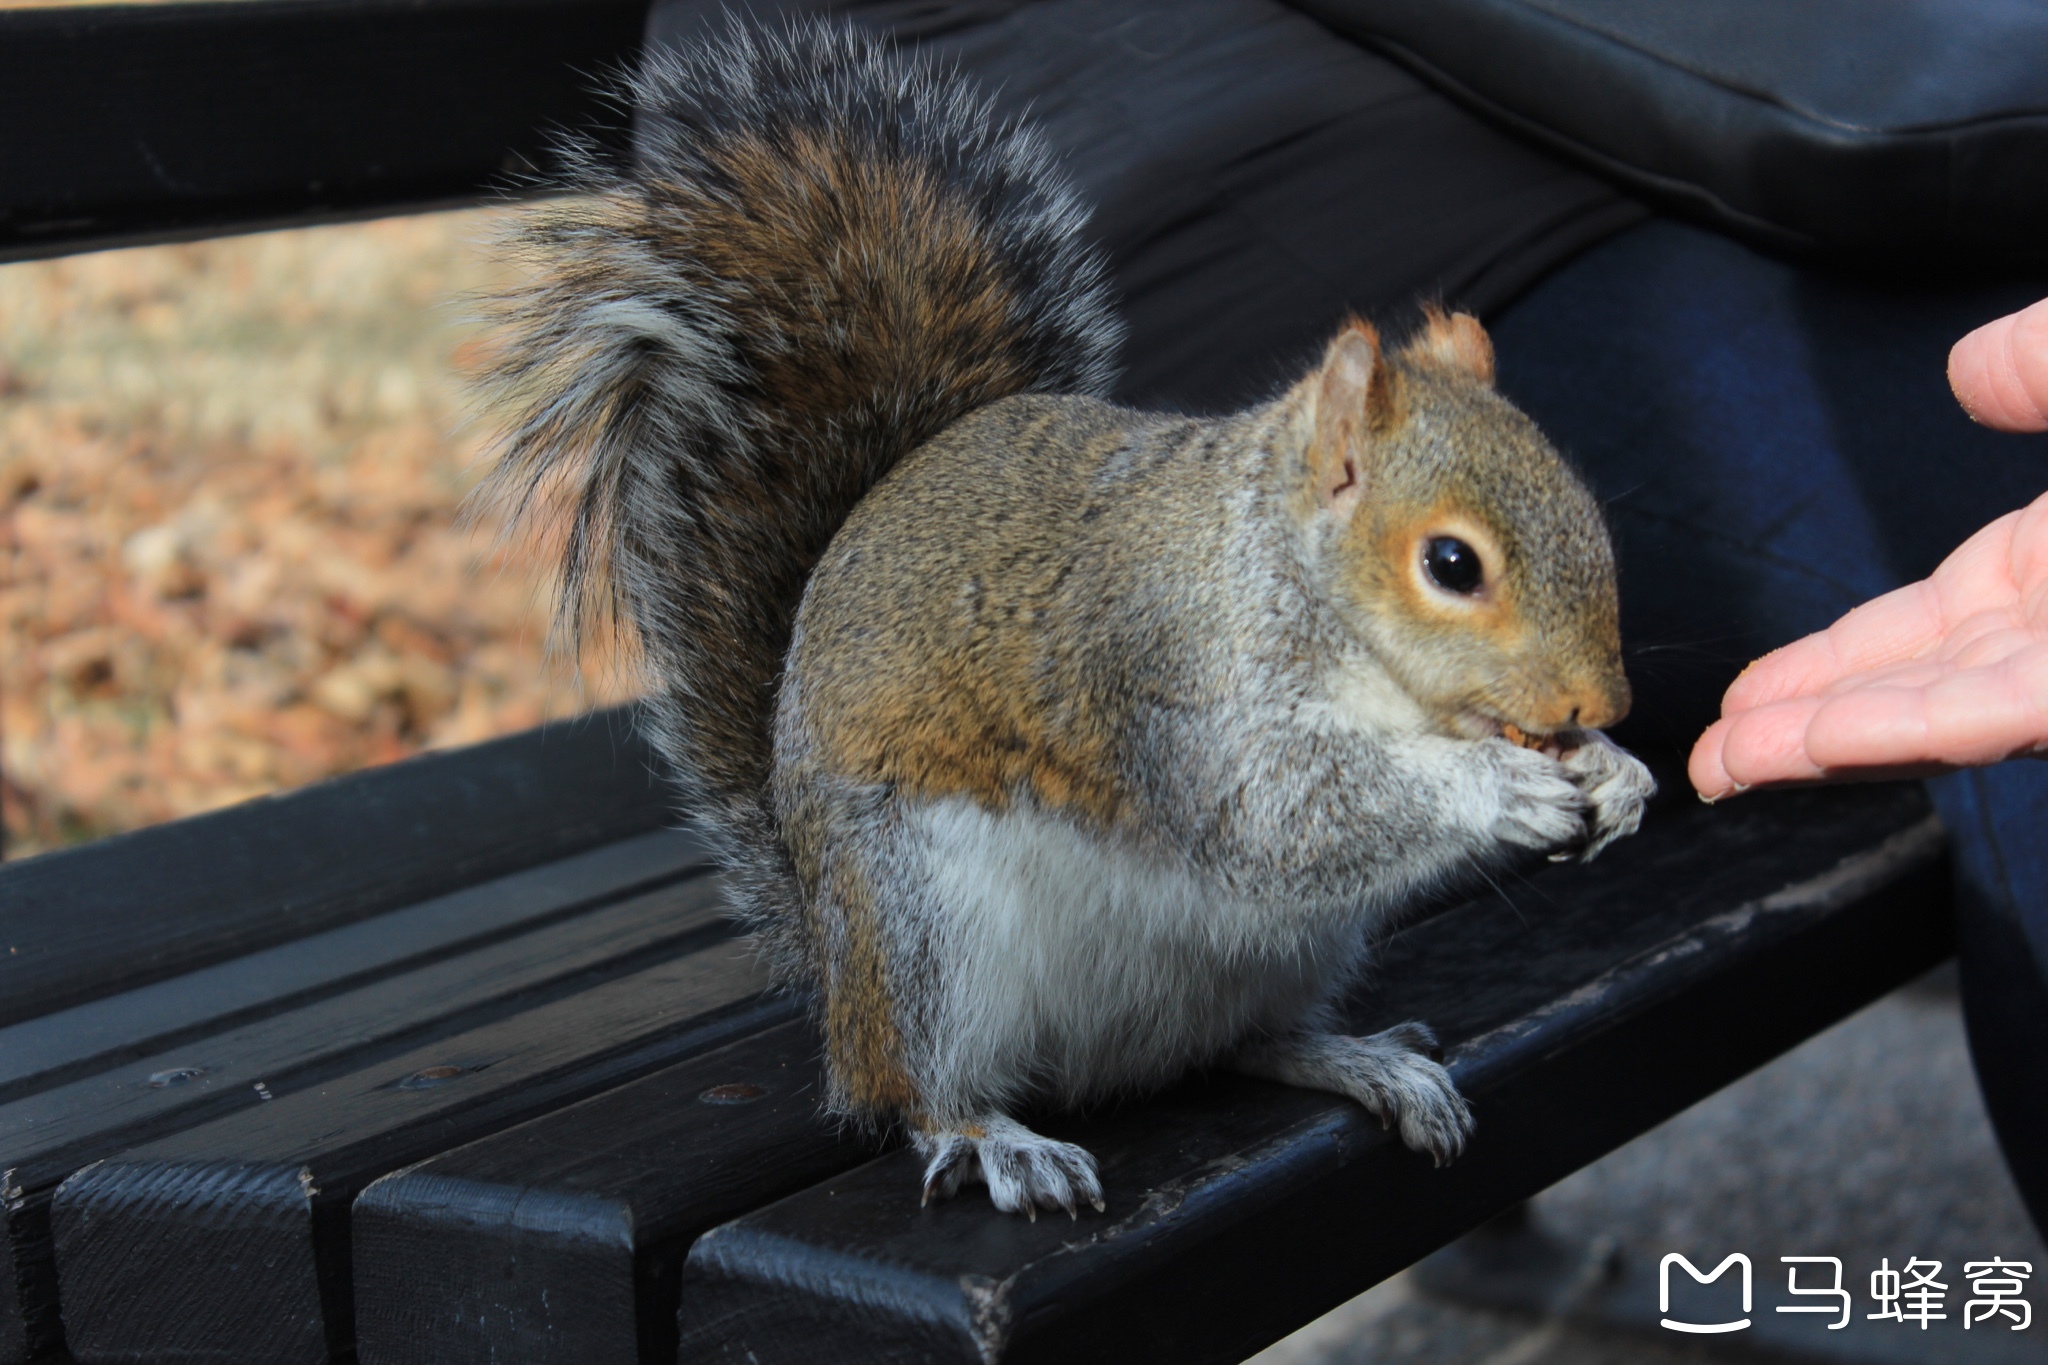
column 561, row 1241
column 85, row 923
column 217, row 1073
column 39, row 1053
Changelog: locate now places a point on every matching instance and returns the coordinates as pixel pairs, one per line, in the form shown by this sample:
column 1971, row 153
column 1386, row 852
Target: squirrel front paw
column 1617, row 787
column 1537, row 804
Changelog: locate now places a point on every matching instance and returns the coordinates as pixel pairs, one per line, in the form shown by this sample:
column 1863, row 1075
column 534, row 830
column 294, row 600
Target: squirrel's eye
column 1453, row 565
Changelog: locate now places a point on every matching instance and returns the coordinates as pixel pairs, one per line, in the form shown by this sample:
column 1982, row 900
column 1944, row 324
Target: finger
column 1769, row 744
column 1805, row 666
column 1707, row 768
column 1902, row 624
column 1981, row 715
column 2000, row 371
column 1981, row 576
column 1983, row 641
column 1870, row 727
column 1704, row 768
column 1960, row 718
column 1781, row 761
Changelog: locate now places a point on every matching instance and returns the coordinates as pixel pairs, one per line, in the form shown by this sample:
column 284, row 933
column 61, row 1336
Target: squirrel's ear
column 1455, row 340
column 1352, row 400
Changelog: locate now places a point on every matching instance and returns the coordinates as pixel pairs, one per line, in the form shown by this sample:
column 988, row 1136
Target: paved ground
column 1867, row 1143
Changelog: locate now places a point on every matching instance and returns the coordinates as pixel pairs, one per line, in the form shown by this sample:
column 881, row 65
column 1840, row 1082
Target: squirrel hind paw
column 1393, row 1076
column 1024, row 1171
column 1390, row 1073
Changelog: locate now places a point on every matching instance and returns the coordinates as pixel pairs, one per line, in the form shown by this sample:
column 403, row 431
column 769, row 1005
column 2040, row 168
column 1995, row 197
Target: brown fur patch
column 974, row 725
column 949, row 662
column 864, row 1043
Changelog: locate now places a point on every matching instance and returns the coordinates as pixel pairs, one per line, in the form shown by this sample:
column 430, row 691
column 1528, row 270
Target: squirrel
column 1054, row 748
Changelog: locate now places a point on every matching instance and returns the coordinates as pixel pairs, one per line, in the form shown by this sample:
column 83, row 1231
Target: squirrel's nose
column 1597, row 706
column 1587, row 704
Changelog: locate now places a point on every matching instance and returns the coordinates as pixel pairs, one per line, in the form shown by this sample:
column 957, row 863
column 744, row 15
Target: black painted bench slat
column 89, row 922
column 206, row 1077
column 561, row 1241
column 37, row 1055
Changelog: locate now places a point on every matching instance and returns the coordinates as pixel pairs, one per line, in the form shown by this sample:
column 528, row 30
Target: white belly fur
column 1072, row 968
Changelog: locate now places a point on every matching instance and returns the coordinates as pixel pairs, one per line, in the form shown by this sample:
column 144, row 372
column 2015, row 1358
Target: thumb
column 2000, row 371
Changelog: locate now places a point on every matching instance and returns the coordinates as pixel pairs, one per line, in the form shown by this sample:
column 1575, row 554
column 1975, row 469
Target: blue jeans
column 1775, row 445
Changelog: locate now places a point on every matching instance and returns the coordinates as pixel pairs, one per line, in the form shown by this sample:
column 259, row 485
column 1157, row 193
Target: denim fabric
column 1776, row 445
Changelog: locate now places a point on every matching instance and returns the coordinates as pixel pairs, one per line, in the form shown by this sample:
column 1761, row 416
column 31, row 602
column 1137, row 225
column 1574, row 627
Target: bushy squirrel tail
column 825, row 253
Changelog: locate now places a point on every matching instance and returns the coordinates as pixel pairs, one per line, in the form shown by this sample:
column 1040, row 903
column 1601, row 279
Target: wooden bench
column 536, row 1115
column 460, row 1059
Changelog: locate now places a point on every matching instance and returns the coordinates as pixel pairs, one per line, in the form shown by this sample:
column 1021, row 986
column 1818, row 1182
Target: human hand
column 1945, row 673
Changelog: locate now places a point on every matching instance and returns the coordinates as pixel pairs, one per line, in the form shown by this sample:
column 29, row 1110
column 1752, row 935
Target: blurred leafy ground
column 229, row 563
